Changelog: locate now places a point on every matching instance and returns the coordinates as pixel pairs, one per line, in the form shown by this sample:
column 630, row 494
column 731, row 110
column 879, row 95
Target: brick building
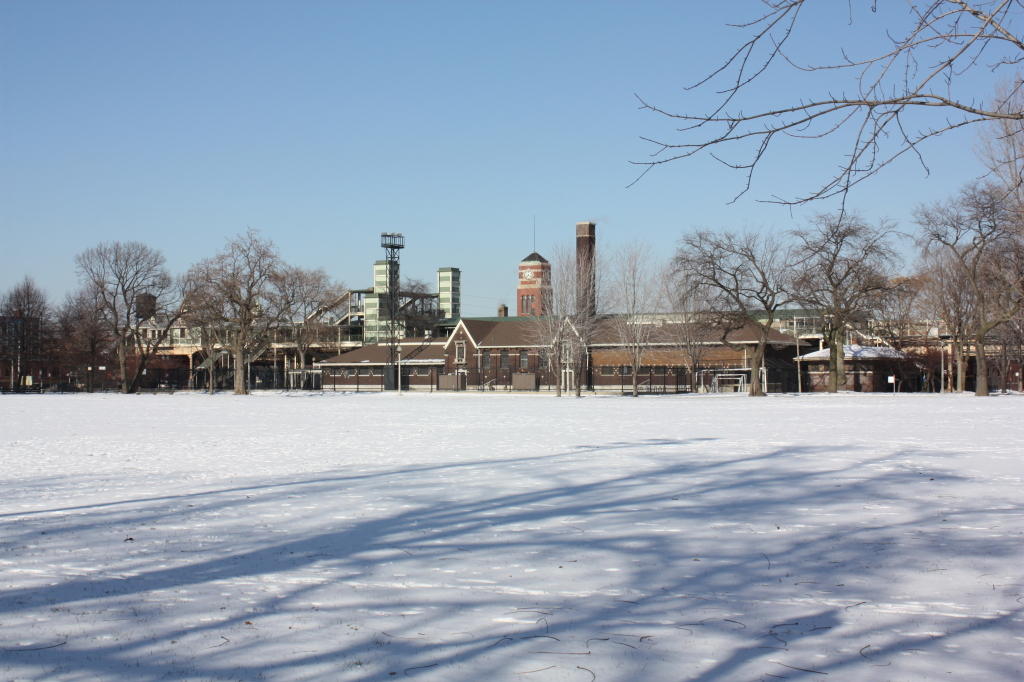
column 534, row 285
column 503, row 353
column 868, row 369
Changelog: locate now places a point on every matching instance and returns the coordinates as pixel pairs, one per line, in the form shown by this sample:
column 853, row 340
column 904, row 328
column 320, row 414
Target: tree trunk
column 136, row 381
column 122, row 361
column 755, row 366
column 836, row 361
column 212, row 370
column 980, row 366
column 961, row 374
column 980, row 360
column 636, row 381
column 1004, row 368
column 556, row 371
column 239, row 378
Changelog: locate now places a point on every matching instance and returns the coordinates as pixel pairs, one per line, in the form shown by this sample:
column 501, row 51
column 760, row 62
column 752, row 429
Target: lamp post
column 398, row 367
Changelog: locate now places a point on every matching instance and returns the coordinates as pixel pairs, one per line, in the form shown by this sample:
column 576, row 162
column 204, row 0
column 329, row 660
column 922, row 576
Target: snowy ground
column 495, row 537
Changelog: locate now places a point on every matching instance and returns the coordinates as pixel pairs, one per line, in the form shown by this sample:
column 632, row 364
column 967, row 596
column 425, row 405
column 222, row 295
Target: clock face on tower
column 528, row 275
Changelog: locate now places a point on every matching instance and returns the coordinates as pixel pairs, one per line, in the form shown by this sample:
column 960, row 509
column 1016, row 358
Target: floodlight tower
column 392, row 243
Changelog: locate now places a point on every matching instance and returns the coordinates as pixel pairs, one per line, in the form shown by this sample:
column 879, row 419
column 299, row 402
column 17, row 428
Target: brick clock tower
column 534, row 281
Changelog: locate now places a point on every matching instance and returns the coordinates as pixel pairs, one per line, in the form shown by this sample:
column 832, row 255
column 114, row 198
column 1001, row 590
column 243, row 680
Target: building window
column 660, row 371
column 524, row 360
column 460, row 352
column 485, row 361
column 504, row 359
column 627, row 371
column 607, row 371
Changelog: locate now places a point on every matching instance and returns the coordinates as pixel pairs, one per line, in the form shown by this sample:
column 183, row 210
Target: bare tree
column 139, row 300
column 239, row 290
column 897, row 313
column 1013, row 349
column 306, row 296
column 947, row 296
column 27, row 330
column 204, row 317
column 570, row 322
column 691, row 320
column 552, row 331
column 843, row 269
column 1000, row 143
column 84, row 339
column 746, row 274
column 925, row 67
column 984, row 238
column 635, row 299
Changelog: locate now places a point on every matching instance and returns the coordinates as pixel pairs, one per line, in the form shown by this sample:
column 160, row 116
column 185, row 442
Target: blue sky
column 323, row 124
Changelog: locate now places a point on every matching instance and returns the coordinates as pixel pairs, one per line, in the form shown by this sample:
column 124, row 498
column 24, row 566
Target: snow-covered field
column 497, row 537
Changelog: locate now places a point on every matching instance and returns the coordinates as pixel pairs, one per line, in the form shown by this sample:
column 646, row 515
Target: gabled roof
column 503, row 332
column 534, row 258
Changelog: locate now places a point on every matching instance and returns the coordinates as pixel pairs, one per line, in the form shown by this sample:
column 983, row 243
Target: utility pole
column 392, row 243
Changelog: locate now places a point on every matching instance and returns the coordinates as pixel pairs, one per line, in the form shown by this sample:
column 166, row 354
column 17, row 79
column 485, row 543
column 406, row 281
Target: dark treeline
column 129, row 307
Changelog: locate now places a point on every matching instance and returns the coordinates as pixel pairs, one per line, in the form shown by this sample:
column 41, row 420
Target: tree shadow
column 661, row 563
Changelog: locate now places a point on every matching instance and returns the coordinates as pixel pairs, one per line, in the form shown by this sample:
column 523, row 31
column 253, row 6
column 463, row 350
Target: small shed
column 868, row 368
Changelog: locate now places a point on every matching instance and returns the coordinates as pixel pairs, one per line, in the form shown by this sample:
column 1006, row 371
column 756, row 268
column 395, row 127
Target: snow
column 472, row 536
column 857, row 353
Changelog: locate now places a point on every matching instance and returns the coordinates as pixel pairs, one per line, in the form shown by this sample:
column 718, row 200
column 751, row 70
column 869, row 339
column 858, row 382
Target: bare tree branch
column 984, row 237
column 944, row 42
column 747, row 276
column 843, row 269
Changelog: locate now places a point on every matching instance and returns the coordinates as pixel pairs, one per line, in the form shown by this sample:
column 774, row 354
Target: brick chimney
column 586, row 276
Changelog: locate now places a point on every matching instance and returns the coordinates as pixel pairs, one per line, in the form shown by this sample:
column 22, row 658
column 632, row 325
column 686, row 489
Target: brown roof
column 414, row 351
column 519, row 332
column 749, row 334
column 516, row 332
